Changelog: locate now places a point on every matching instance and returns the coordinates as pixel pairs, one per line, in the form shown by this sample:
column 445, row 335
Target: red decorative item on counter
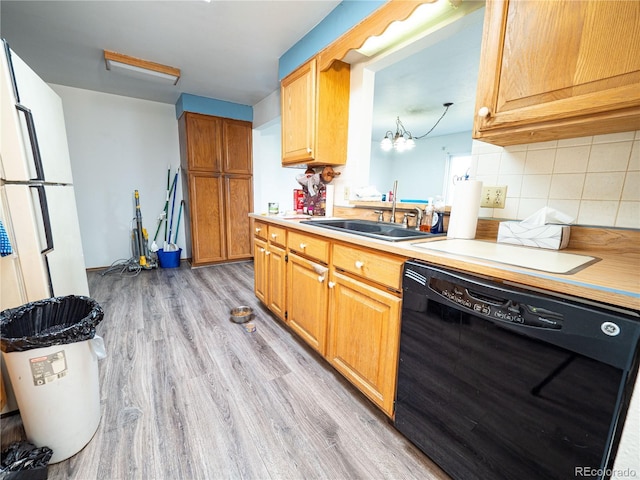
column 298, row 200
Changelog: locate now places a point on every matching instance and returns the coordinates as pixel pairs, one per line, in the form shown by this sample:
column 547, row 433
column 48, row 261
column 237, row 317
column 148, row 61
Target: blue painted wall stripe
column 339, row 21
column 211, row 106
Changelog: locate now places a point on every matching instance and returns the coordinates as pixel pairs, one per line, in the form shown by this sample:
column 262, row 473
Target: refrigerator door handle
column 46, row 220
column 33, row 140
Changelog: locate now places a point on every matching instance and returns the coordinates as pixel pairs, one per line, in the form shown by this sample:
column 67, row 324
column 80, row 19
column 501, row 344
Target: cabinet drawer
column 260, row 230
column 374, row 266
column 313, row 247
column 277, row 235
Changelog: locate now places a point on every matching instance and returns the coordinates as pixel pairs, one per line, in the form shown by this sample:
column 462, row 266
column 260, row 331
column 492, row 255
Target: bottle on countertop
column 390, row 196
column 426, row 218
column 437, row 219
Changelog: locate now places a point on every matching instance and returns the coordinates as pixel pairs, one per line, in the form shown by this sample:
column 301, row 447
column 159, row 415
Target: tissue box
column 550, row 236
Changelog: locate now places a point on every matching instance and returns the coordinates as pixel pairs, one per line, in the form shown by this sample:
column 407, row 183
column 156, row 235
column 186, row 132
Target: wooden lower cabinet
column 363, row 337
column 269, row 265
column 260, row 269
column 354, row 324
column 307, row 300
column 276, row 285
column 238, row 203
column 218, row 224
column 205, row 223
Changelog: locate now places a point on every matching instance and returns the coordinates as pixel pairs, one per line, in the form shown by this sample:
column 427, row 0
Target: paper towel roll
column 328, row 207
column 464, row 209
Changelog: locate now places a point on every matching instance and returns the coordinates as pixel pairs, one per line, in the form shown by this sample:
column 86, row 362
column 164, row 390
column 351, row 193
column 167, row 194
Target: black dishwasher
column 497, row 382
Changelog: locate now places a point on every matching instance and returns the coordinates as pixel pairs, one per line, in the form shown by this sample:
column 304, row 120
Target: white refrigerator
column 37, row 202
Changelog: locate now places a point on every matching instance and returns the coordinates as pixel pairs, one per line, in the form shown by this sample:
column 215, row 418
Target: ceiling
column 227, row 50
column 441, row 67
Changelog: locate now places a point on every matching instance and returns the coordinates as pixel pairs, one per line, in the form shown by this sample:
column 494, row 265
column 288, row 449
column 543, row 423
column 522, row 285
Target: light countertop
column 613, row 278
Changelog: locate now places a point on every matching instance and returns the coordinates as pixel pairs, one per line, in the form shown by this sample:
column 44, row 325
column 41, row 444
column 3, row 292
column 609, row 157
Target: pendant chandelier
column 402, row 140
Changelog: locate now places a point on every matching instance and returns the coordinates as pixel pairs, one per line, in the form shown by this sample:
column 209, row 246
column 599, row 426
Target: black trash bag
column 24, row 461
column 53, row 321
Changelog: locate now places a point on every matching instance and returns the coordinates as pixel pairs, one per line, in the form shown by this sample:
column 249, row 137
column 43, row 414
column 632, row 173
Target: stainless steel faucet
column 393, row 204
column 418, row 217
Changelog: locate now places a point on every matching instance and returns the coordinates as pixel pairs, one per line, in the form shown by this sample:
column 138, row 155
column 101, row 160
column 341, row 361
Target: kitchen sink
column 390, row 232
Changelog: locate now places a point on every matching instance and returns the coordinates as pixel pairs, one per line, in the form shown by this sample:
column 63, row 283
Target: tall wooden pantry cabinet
column 216, row 160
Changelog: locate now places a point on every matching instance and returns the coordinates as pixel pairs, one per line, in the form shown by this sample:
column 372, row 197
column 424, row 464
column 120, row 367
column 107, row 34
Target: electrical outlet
column 493, row 197
column 347, row 193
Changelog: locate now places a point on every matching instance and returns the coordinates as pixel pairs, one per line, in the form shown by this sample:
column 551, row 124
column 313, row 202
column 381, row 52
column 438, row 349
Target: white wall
column 118, row 145
column 271, row 181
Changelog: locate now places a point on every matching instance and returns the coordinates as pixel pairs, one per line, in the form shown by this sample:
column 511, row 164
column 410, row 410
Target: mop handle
column 166, row 207
column 173, row 204
column 175, row 239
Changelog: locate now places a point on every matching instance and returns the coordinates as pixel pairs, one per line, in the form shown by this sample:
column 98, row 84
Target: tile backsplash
column 595, row 179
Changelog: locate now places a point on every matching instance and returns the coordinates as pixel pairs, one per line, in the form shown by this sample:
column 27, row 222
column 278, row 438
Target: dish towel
column 5, row 244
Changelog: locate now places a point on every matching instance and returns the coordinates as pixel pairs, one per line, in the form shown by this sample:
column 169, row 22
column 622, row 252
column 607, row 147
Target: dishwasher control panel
column 494, row 307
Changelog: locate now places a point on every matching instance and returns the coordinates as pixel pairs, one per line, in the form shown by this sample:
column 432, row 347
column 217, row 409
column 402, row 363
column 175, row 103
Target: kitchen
column 262, row 136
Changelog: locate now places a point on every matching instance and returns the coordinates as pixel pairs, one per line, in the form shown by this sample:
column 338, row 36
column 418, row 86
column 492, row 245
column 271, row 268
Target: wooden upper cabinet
column 298, row 111
column 558, row 69
column 315, row 114
column 201, row 142
column 237, row 146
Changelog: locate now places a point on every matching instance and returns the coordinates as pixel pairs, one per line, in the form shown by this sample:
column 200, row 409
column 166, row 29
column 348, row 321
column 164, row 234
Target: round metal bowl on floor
column 242, row 314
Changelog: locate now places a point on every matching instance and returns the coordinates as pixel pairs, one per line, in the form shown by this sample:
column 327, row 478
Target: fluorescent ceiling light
column 150, row 70
column 424, row 17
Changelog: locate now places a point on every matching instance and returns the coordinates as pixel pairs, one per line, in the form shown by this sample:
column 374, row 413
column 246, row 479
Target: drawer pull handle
column 331, row 284
column 267, row 252
column 320, row 278
column 303, row 246
column 359, row 264
column 274, row 235
column 258, row 229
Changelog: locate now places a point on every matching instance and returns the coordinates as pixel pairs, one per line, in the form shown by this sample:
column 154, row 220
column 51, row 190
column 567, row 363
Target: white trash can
column 53, row 368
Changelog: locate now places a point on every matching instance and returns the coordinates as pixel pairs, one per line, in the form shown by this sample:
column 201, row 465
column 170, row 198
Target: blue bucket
column 169, row 259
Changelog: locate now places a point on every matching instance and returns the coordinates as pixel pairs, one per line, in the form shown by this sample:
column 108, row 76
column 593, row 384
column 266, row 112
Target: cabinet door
column 237, row 146
column 307, row 300
column 560, row 69
column 238, row 204
column 298, row 99
column 201, row 141
column 260, row 269
column 363, row 338
column 277, row 281
column 207, row 218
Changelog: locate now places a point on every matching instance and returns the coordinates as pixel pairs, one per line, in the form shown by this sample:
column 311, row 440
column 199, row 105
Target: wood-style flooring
column 187, row 394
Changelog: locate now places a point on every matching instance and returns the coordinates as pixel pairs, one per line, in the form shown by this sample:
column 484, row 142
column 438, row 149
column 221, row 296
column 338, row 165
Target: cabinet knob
column 274, row 235
column 321, row 278
column 303, row 246
column 331, row 284
column 262, row 250
column 483, row 112
column 359, row 264
column 267, row 252
column 258, row 229
column 308, row 149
